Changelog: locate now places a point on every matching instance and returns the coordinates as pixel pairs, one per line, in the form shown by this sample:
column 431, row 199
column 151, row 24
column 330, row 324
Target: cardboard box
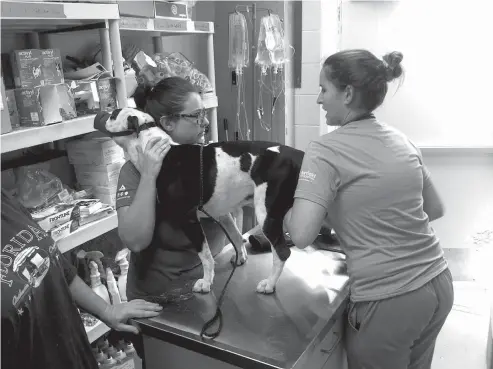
column 98, row 151
column 104, row 168
column 6, row 126
column 139, row 8
column 52, row 66
column 64, row 230
column 8, row 179
column 107, row 94
column 62, row 215
column 7, row 73
column 12, row 107
column 107, row 195
column 170, row 10
column 44, row 105
column 90, row 178
column 26, row 67
column 85, row 96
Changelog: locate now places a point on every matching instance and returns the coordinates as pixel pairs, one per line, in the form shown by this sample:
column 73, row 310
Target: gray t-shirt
column 370, row 178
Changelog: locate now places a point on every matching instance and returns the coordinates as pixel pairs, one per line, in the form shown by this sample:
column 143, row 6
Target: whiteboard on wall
column 447, row 93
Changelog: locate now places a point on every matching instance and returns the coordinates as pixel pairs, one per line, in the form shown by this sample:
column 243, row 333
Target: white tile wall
column 310, row 52
column 307, row 111
column 309, row 79
column 311, row 15
column 303, row 135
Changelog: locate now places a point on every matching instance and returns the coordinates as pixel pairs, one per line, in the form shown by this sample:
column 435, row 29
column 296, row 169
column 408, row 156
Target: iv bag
column 238, row 42
column 271, row 50
column 263, row 57
column 275, row 40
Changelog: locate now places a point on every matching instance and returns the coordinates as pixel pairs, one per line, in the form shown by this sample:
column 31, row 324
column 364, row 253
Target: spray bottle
column 96, row 284
column 112, row 287
column 121, row 259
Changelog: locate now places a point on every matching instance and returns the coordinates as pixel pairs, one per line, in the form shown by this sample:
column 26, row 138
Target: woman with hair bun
column 160, row 253
column 369, row 183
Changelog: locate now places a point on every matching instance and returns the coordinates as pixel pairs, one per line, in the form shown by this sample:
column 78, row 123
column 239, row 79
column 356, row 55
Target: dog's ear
column 133, row 123
column 115, row 113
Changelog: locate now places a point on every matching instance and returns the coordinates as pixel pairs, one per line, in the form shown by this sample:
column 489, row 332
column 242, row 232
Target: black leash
column 218, row 314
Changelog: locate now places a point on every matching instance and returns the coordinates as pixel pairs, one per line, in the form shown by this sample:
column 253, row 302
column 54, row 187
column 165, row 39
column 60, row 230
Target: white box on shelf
column 97, row 151
column 90, row 178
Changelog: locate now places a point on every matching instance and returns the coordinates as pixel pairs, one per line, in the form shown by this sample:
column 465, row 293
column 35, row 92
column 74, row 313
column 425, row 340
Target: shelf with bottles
column 88, row 232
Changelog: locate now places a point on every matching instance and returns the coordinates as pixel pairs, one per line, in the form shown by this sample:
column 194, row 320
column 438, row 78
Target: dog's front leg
column 231, row 228
column 204, row 285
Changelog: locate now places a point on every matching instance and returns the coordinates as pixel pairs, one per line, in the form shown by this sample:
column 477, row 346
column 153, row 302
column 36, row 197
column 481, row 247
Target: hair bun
column 141, row 95
column 392, row 62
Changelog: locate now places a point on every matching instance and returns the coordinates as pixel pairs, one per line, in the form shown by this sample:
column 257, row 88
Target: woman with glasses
column 160, row 253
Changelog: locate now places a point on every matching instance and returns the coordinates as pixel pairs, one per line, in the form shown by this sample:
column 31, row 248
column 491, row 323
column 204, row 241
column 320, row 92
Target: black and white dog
column 234, row 174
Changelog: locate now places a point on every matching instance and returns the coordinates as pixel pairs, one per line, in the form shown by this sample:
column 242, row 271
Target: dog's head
column 130, row 128
column 125, row 121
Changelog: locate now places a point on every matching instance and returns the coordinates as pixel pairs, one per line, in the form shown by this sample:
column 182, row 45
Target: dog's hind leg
column 196, row 234
column 231, row 227
column 272, row 229
column 268, row 286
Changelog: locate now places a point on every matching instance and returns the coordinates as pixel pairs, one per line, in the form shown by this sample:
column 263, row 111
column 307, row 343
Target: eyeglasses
column 199, row 116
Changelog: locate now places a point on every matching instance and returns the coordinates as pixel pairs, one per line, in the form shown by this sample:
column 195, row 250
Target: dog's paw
column 202, row 286
column 266, row 287
column 241, row 259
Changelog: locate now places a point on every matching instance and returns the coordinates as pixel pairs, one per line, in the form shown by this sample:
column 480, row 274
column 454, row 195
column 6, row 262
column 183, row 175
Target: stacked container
column 97, row 162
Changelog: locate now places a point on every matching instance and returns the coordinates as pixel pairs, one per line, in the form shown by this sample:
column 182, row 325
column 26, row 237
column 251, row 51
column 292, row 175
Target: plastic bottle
column 100, row 357
column 121, row 259
column 108, row 363
column 129, row 350
column 111, row 351
column 112, row 287
column 123, row 361
column 96, row 284
column 103, row 344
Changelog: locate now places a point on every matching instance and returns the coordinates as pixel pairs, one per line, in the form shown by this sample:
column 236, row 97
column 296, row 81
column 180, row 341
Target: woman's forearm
column 87, row 299
column 136, row 223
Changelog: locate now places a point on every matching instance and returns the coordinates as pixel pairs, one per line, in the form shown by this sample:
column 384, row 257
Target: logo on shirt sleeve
column 307, row 176
column 122, row 193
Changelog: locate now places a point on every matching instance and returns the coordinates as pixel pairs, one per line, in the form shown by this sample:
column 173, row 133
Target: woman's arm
column 136, row 222
column 114, row 316
column 432, row 203
column 136, row 208
column 317, row 186
column 303, row 222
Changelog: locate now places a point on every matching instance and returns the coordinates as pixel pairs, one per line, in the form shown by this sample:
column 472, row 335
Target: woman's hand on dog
column 151, row 159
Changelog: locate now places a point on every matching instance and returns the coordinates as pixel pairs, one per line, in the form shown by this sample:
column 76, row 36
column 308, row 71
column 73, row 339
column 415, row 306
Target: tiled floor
column 462, row 341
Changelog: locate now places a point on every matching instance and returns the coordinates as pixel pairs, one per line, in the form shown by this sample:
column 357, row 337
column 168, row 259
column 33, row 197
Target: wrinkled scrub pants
column 399, row 332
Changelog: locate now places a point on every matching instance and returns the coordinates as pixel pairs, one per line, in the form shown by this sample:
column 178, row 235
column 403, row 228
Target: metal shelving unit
column 88, row 232
column 36, row 19
column 27, row 137
column 159, row 29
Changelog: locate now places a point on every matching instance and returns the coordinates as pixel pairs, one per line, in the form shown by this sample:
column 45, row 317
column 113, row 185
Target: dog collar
column 137, row 130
